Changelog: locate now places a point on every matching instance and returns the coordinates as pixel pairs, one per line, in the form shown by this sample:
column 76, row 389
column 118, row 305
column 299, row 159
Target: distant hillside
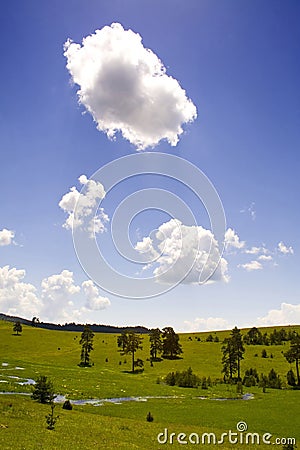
column 74, row 326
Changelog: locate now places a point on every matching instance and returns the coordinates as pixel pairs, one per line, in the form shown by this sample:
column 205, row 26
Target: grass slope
column 56, row 354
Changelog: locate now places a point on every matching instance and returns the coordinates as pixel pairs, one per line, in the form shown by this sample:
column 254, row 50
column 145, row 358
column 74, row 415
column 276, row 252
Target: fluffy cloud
column 124, row 86
column 189, row 254
column 209, row 324
column 282, row 248
column 252, row 265
column 232, row 240
column 78, row 212
column 265, row 258
column 57, row 295
column 94, row 301
column 17, row 297
column 254, row 250
column 288, row 314
column 6, row 237
column 56, row 299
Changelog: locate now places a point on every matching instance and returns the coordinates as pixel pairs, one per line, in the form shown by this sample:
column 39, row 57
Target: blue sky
column 239, row 64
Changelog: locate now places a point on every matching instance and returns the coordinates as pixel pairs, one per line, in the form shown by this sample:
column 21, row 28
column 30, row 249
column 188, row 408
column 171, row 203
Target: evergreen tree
column 291, row 378
column 237, row 341
column 171, row 346
column 43, row 390
column 293, row 355
column 132, row 343
column 156, row 344
column 122, row 340
column 86, row 343
column 253, row 337
column 17, row 328
column 229, row 359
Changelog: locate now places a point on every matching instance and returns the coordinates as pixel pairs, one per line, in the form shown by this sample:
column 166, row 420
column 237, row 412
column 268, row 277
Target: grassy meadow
column 56, row 354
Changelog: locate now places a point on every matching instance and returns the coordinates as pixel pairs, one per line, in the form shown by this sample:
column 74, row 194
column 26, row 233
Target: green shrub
column 183, row 379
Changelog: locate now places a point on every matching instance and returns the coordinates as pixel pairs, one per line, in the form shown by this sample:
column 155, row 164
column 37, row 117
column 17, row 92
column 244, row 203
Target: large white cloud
column 124, row 86
column 78, row 212
column 6, row 237
column 57, row 295
column 209, row 324
column 288, row 314
column 58, row 300
column 94, row 301
column 189, row 254
column 17, row 297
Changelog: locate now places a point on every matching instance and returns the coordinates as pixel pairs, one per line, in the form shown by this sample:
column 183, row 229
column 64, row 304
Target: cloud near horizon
column 59, row 299
column 209, row 324
column 288, row 314
column 124, row 86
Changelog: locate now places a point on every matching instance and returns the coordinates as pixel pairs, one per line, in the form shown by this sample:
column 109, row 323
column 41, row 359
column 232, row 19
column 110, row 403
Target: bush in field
column 67, row 405
column 251, row 377
column 291, row 379
column 264, row 353
column 273, row 380
column 183, row 379
column 149, row 417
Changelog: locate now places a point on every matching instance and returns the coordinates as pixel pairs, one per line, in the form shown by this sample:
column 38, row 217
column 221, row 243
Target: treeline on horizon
column 73, row 326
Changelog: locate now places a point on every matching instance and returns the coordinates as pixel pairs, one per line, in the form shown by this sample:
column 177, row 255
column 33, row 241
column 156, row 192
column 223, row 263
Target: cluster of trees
column 272, row 380
column 211, row 338
column 163, row 344
column 233, row 351
column 255, row 337
column 185, row 378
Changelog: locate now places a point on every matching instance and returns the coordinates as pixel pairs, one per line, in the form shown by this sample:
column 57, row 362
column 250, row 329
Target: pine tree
column 237, row 341
column 156, row 344
column 293, row 355
column 43, row 390
column 86, row 343
column 132, row 343
column 171, row 347
column 17, row 328
column 229, row 359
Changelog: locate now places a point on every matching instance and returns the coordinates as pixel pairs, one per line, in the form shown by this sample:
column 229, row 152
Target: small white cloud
column 94, row 301
column 124, row 86
column 209, row 324
column 186, row 254
column 254, row 250
column 283, row 249
column 250, row 210
column 288, row 314
column 6, row 237
column 265, row 258
column 252, row 265
column 77, row 212
column 232, row 240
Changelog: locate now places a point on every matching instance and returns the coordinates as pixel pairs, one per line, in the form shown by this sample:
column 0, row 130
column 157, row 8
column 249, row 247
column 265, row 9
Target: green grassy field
column 56, row 354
